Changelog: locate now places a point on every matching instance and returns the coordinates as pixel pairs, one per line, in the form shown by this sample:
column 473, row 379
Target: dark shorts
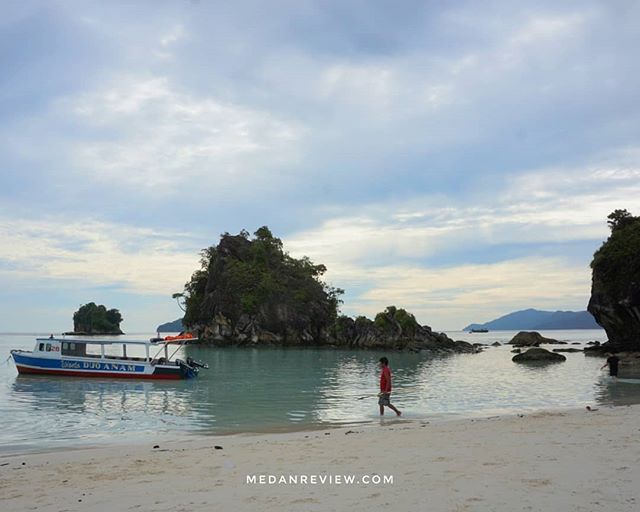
column 384, row 399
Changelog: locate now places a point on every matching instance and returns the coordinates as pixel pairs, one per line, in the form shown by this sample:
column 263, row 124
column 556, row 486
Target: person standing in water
column 385, row 387
column 612, row 363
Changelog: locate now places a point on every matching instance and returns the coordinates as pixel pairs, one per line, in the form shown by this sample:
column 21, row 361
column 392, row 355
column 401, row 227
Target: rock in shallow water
column 541, row 355
column 530, row 339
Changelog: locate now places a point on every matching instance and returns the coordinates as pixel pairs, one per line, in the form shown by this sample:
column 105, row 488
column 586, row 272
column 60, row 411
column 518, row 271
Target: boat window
column 64, row 345
column 41, row 347
column 74, row 349
column 48, row 347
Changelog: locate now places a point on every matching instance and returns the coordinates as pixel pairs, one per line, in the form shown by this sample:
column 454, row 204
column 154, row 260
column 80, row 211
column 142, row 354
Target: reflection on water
column 249, row 390
column 618, row 392
column 51, row 411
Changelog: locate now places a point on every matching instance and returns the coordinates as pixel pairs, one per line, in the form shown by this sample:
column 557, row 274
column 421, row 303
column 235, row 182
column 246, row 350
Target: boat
column 479, row 330
column 70, row 357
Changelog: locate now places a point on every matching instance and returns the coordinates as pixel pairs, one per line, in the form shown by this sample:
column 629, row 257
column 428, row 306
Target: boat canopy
column 99, row 342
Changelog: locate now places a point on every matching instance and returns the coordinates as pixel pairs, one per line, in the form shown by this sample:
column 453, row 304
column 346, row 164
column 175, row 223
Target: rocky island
column 92, row 319
column 615, row 289
column 250, row 292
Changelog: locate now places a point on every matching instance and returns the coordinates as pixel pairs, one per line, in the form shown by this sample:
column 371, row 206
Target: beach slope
column 569, row 461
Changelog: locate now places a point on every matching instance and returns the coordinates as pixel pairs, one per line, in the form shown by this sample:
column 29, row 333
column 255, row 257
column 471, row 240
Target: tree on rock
column 619, row 219
column 250, row 285
column 97, row 319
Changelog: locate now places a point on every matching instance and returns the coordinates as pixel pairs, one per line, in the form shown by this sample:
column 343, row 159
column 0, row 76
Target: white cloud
column 382, row 248
column 94, row 253
column 147, row 135
column 452, row 297
column 547, row 205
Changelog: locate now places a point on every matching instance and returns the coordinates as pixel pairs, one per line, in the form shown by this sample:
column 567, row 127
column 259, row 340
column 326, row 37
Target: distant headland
column 175, row 326
column 537, row 320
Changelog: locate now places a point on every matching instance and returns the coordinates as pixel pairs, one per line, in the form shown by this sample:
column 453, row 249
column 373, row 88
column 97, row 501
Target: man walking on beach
column 612, row 363
column 385, row 387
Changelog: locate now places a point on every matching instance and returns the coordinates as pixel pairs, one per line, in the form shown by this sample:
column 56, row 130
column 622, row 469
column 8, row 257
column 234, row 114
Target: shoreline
column 374, row 422
column 567, row 459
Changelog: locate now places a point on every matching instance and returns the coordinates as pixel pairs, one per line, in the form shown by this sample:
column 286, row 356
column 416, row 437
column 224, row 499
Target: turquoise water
column 257, row 390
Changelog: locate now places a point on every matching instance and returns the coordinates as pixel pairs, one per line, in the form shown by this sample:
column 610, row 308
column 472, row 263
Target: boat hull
column 102, row 368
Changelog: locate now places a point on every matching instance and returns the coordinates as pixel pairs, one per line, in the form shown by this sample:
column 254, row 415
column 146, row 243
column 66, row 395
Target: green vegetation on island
column 246, row 280
column 96, row 319
column 616, row 265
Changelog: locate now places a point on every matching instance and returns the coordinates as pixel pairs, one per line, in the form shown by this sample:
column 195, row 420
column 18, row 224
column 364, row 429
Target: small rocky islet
column 250, row 292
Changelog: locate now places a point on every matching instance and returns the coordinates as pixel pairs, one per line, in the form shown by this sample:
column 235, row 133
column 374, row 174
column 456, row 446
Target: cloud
column 62, row 251
column 423, row 139
column 553, row 205
column 452, row 297
column 148, row 136
column 401, row 252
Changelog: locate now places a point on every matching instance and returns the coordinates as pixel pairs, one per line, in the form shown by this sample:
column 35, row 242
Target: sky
column 457, row 159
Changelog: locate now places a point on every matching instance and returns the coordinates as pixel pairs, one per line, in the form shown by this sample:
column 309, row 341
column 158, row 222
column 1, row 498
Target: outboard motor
column 187, row 370
column 196, row 364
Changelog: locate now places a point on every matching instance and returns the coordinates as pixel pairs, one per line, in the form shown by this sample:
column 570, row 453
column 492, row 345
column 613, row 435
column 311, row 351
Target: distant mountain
column 175, row 326
column 536, row 320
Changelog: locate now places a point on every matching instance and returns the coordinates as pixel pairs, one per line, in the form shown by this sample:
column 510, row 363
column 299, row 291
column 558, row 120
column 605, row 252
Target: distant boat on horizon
column 478, row 330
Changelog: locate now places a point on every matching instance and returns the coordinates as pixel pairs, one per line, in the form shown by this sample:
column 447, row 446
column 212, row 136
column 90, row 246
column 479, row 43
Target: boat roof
column 102, row 342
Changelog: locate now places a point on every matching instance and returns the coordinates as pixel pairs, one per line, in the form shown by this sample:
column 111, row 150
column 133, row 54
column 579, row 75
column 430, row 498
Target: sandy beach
column 571, row 461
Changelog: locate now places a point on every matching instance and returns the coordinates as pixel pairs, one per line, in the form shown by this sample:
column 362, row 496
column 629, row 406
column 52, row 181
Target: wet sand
column 571, row 461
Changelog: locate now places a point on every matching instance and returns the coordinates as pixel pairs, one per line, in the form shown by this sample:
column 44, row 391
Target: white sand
column 560, row 461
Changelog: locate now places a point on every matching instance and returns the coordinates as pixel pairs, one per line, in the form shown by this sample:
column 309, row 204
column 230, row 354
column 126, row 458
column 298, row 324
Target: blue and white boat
column 75, row 358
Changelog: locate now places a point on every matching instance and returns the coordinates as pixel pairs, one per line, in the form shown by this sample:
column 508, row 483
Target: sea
column 248, row 390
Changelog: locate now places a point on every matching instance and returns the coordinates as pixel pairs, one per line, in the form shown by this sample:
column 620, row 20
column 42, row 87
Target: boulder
column 567, row 350
column 530, row 339
column 538, row 355
column 496, row 344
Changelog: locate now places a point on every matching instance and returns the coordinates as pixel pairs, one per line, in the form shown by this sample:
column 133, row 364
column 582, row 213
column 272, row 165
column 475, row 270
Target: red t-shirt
column 385, row 380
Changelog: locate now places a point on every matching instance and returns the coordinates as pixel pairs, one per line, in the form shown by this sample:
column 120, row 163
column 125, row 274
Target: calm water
column 251, row 390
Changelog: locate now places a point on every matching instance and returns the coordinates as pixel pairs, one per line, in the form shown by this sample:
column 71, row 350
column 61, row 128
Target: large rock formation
column 394, row 329
column 250, row 292
column 615, row 288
